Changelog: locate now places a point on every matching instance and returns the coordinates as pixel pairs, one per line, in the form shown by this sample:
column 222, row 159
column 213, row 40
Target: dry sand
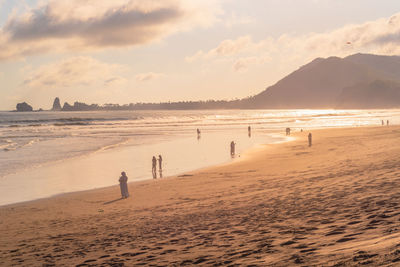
column 334, row 204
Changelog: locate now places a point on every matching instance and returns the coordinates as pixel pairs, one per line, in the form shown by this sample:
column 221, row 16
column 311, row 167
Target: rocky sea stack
column 22, row 107
column 56, row 105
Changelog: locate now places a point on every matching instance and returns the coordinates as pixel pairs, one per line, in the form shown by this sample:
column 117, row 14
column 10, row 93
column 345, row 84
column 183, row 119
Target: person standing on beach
column 232, row 148
column 123, row 184
column 160, row 165
column 287, row 131
column 309, row 139
column 249, row 131
column 159, row 162
column 154, row 167
column 387, row 122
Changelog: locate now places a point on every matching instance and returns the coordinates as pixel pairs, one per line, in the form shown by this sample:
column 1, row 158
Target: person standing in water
column 154, row 167
column 309, row 139
column 198, row 134
column 232, row 148
column 387, row 122
column 249, row 131
column 123, row 184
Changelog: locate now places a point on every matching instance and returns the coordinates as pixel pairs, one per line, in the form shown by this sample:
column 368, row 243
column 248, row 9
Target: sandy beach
column 333, row 204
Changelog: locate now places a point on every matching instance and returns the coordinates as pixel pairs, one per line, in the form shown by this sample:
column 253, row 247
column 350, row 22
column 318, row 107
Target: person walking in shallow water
column 154, row 167
column 232, row 148
column 198, row 133
column 123, row 184
column 309, row 139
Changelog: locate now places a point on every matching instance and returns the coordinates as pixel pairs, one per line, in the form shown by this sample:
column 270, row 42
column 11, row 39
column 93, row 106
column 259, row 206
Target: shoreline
column 61, row 171
column 242, row 156
column 28, row 176
column 330, row 204
column 245, row 155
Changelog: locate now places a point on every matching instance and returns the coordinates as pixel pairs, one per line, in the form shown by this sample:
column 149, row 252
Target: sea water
column 48, row 153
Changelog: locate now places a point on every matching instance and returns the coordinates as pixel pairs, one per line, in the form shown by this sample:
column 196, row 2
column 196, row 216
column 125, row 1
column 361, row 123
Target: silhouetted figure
column 287, row 131
column 249, row 131
column 387, row 122
column 383, row 123
column 233, row 148
column 198, row 134
column 123, row 184
column 309, row 139
column 159, row 162
column 301, row 130
column 154, row 167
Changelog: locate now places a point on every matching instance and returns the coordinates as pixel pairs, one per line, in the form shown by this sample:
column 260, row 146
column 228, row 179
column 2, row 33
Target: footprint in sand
column 287, row 243
column 168, row 251
column 104, row 256
column 308, row 250
column 353, row 222
column 345, row 239
column 297, row 259
column 132, row 254
column 362, row 255
column 335, row 232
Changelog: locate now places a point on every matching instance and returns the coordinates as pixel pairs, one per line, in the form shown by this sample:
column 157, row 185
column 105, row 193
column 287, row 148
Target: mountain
column 377, row 94
column 335, row 82
column 386, row 65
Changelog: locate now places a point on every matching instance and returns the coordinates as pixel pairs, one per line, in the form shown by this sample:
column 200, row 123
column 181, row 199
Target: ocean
column 48, row 153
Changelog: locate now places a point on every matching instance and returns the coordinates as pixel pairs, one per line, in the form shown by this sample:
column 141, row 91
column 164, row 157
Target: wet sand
column 336, row 203
column 101, row 168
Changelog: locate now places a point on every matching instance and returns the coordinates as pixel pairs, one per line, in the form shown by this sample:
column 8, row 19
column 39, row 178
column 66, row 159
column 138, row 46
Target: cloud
column 241, row 52
column 242, row 64
column 76, row 25
column 115, row 81
column 144, row 77
column 75, row 71
column 229, row 47
column 380, row 36
column 233, row 20
column 225, row 48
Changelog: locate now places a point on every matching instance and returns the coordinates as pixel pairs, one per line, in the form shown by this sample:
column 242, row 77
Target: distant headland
column 360, row 81
column 184, row 105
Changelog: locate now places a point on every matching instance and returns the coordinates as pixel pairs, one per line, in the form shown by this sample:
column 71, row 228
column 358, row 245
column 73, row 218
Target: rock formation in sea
column 56, row 104
column 21, row 107
column 79, row 106
column 67, row 107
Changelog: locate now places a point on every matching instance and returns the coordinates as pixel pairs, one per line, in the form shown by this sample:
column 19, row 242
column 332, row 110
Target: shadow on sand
column 112, row 201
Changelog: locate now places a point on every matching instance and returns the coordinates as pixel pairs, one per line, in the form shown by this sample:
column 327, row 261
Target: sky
column 129, row 51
